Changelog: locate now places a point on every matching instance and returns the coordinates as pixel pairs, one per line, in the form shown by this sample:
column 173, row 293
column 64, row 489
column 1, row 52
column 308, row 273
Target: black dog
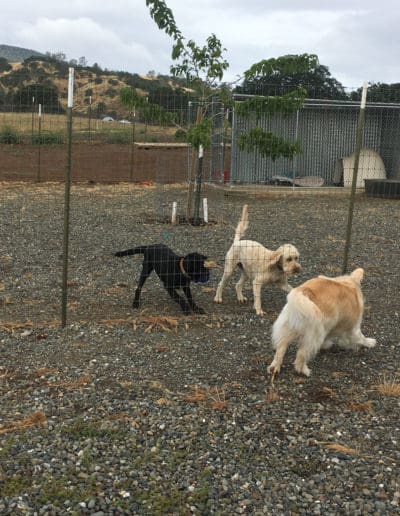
column 173, row 270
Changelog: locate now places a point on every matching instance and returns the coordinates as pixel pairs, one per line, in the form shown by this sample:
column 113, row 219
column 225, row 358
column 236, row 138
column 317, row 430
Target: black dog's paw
column 199, row 310
column 135, row 304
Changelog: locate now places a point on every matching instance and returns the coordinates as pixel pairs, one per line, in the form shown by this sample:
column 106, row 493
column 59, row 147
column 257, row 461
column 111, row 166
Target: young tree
column 267, row 143
column 203, row 67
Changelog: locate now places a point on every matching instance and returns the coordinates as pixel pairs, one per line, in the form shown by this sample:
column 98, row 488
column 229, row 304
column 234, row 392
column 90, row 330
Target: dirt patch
column 100, row 162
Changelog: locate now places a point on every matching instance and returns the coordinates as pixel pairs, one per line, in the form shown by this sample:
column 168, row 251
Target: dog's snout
column 298, row 268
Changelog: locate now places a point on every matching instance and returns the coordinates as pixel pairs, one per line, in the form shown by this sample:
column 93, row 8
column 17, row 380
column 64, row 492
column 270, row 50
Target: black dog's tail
column 130, row 252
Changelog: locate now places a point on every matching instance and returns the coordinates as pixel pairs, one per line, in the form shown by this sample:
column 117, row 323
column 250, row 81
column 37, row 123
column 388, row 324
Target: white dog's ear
column 276, row 256
column 357, row 275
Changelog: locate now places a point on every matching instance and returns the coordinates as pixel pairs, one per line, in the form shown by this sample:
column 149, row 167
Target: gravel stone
column 152, row 420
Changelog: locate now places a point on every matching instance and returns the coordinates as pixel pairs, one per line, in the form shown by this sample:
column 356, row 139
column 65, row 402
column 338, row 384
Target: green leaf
column 268, row 144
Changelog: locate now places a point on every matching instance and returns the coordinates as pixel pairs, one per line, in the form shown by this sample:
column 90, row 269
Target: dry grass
column 341, row 448
column 124, row 417
column 388, row 386
column 72, row 385
column 360, row 407
column 36, row 419
column 218, row 400
column 214, row 396
column 11, row 327
column 271, row 395
column 22, row 122
column 152, row 322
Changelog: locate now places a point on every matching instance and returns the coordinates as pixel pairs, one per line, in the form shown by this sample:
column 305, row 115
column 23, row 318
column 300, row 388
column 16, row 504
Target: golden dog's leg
column 281, row 349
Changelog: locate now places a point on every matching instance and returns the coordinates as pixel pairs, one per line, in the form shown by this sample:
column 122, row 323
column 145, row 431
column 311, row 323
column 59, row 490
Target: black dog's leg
column 146, row 270
column 192, row 304
column 178, row 299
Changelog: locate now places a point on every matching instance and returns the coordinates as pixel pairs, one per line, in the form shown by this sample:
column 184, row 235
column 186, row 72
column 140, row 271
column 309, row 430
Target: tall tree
column 380, row 92
column 279, row 80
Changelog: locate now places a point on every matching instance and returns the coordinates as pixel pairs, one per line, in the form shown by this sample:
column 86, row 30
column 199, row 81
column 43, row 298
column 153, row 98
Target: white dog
column 317, row 311
column 258, row 264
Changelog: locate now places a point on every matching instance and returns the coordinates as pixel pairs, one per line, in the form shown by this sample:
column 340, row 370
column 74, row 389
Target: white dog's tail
column 242, row 226
column 295, row 317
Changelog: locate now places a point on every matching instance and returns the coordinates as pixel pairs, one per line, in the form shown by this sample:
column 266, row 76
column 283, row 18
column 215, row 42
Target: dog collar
column 182, row 268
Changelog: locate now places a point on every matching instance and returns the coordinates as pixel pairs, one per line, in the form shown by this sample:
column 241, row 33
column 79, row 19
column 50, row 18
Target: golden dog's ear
column 357, row 275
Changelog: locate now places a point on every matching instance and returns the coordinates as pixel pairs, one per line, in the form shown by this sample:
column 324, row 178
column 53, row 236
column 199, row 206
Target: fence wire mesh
column 130, row 170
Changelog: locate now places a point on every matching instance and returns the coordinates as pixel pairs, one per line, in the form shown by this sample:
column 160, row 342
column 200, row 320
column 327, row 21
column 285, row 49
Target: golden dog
column 258, row 264
column 317, row 311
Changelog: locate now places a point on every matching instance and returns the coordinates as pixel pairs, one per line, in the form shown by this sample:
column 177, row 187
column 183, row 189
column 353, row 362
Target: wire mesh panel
column 327, row 131
column 131, row 186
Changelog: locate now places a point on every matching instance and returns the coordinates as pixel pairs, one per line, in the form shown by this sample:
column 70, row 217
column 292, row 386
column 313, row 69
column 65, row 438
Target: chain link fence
column 327, row 131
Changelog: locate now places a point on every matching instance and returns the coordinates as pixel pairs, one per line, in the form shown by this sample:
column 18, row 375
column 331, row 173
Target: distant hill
column 45, row 78
column 17, row 54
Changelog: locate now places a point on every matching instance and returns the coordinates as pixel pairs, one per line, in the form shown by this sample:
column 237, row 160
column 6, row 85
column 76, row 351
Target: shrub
column 47, row 139
column 9, row 135
column 119, row 137
column 180, row 135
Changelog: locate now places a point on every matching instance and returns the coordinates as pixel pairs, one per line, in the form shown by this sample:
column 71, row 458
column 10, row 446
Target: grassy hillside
column 44, row 79
column 17, row 54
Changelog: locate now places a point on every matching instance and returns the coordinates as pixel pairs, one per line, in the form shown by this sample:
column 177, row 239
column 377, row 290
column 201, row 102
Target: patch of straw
column 360, row 407
column 36, row 419
column 388, row 387
column 341, row 448
column 218, row 400
column 125, row 417
column 70, row 384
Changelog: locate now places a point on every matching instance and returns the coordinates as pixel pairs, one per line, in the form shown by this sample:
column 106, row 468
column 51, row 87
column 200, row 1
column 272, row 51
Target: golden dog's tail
column 243, row 225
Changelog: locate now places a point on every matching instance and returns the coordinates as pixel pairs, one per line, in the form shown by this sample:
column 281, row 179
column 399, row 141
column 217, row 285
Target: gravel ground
column 151, row 412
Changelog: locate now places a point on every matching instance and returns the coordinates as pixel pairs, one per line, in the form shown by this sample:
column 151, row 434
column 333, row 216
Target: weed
column 9, row 135
column 15, row 485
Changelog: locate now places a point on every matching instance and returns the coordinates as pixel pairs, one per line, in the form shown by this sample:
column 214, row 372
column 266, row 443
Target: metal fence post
column 67, row 201
column 360, row 129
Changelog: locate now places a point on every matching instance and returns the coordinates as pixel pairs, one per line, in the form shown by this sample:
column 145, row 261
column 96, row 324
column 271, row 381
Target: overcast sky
column 357, row 40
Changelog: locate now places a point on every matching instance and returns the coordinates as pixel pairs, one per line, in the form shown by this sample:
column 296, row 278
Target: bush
column 120, row 137
column 180, row 135
column 9, row 135
column 47, row 139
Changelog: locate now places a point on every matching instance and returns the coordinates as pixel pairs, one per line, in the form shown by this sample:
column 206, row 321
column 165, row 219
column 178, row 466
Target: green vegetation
column 9, row 135
column 47, row 139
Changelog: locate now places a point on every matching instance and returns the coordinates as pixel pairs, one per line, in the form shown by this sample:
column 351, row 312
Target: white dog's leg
column 257, row 297
column 228, row 271
column 239, row 287
column 284, row 285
